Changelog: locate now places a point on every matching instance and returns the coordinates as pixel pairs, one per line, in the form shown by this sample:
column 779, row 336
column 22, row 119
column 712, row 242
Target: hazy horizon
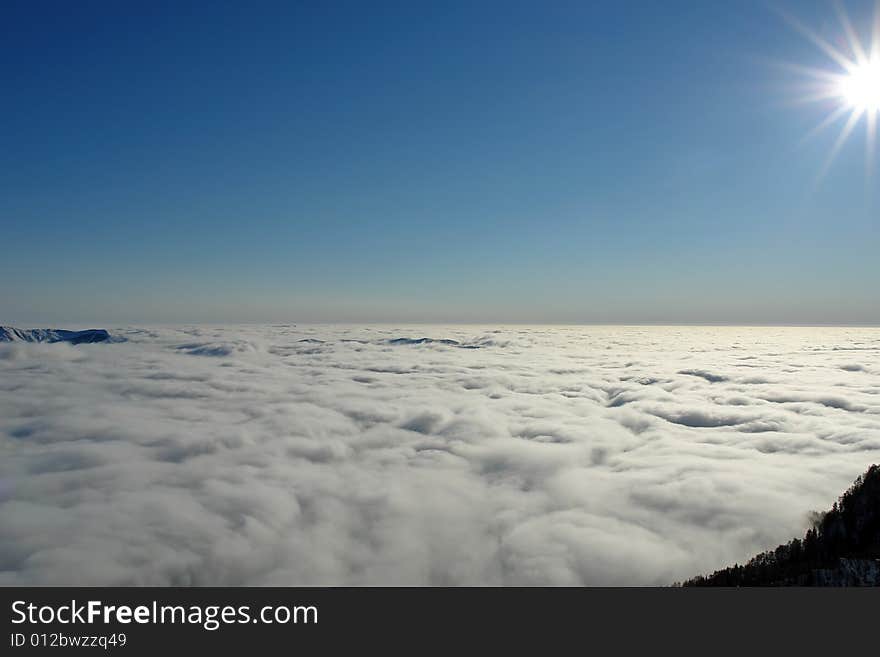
column 81, row 325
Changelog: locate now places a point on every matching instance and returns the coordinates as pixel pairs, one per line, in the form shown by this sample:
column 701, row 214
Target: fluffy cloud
column 293, row 455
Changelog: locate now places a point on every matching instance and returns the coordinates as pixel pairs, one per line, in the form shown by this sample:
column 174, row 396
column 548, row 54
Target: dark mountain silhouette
column 841, row 549
column 10, row 334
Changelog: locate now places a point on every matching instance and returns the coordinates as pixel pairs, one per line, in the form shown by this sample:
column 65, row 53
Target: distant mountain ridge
column 841, row 549
column 88, row 336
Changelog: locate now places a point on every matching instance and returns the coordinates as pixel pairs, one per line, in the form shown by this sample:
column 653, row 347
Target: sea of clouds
column 309, row 455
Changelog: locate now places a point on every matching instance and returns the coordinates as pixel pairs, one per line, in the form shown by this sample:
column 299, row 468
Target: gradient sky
column 492, row 162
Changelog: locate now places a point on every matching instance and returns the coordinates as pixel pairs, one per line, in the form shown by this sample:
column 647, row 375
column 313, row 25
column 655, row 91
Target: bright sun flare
column 861, row 87
column 852, row 87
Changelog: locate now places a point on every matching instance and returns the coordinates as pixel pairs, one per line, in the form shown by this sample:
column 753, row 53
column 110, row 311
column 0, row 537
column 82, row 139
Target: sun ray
column 815, row 97
column 819, row 74
column 823, row 45
column 855, row 43
column 875, row 33
column 829, row 120
column 841, row 140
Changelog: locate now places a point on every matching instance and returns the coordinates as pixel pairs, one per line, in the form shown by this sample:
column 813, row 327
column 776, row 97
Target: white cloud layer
column 293, row 455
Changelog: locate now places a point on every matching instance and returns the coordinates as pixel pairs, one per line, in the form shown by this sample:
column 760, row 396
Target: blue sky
column 441, row 162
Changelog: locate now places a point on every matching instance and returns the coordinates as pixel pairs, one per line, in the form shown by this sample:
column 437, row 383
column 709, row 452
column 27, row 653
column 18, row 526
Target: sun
column 851, row 84
column 860, row 88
